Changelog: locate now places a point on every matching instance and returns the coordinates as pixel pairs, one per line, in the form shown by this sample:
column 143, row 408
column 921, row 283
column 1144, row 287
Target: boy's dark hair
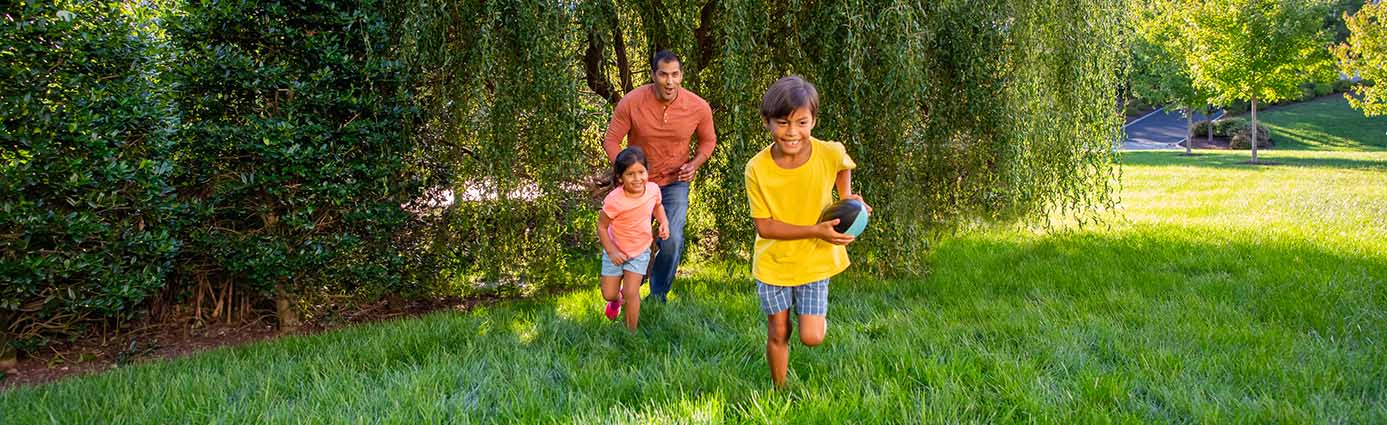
column 628, row 157
column 663, row 56
column 787, row 95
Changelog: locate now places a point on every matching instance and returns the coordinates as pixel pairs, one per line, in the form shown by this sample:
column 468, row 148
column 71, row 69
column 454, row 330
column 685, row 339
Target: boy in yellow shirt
column 788, row 184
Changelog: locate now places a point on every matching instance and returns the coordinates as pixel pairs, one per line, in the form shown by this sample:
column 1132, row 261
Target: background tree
column 1364, row 54
column 1255, row 50
column 1160, row 74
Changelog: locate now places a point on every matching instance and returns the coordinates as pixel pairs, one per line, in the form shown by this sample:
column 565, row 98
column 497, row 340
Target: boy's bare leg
column 611, row 287
column 778, row 345
column 812, row 329
column 632, row 291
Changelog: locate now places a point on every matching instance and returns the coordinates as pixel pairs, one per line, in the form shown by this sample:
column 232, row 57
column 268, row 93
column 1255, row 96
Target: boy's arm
column 770, row 228
column 844, row 184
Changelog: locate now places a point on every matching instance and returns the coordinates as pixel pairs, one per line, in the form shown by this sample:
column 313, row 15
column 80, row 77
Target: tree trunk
column 284, row 310
column 1209, row 113
column 1189, row 130
column 1253, row 130
column 8, row 357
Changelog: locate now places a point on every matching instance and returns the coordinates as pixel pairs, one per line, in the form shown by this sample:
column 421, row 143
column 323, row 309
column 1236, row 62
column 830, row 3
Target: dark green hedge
column 86, row 207
column 293, row 150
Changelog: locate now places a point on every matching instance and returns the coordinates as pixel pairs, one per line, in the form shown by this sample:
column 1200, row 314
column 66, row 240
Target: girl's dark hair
column 628, row 157
column 787, row 95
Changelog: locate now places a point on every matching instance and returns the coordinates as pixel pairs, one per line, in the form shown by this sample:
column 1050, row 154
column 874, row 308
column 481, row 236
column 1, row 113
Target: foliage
column 293, row 156
column 1364, row 54
column 1256, row 50
column 1233, row 128
column 950, row 109
column 1242, row 138
column 85, row 200
column 499, row 89
column 1160, row 74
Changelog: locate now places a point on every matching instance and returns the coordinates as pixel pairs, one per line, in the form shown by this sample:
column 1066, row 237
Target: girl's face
column 634, row 178
column 791, row 133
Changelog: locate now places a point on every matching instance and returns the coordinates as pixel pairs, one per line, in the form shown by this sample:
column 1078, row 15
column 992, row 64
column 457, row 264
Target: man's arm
column 617, row 129
column 707, row 141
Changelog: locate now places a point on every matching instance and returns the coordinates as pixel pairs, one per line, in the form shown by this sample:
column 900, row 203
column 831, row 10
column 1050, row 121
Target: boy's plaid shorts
column 810, row 298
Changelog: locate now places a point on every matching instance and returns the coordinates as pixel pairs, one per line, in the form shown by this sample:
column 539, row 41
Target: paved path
column 1162, row 129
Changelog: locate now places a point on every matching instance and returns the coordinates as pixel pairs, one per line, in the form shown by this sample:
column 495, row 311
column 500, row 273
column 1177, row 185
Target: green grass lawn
column 1227, row 293
column 1327, row 123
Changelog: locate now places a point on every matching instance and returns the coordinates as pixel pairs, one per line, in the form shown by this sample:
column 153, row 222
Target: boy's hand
column 859, row 199
column 617, row 257
column 826, row 232
column 664, row 231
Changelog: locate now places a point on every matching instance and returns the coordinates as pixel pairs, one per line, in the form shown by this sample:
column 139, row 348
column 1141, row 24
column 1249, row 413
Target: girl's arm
column 770, row 228
column 603, row 222
column 662, row 219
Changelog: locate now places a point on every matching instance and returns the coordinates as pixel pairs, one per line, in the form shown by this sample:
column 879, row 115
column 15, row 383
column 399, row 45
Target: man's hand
column 686, row 172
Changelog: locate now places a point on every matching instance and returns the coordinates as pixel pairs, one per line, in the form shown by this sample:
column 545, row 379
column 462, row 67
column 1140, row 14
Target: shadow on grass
column 1304, row 136
column 1239, row 160
column 1053, row 327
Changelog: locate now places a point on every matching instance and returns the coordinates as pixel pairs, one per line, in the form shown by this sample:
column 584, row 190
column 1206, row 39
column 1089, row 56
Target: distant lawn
column 1229, row 294
column 1327, row 123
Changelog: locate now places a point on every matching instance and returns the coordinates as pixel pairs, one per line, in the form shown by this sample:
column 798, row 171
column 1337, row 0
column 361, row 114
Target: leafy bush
column 294, row 156
column 1232, row 127
column 85, row 201
column 1323, row 89
column 1343, row 85
column 1242, row 136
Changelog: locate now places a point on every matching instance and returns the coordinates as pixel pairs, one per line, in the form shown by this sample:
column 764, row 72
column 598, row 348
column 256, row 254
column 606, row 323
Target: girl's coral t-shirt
column 630, row 228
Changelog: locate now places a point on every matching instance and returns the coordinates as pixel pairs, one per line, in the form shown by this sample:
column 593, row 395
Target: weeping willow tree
column 955, row 110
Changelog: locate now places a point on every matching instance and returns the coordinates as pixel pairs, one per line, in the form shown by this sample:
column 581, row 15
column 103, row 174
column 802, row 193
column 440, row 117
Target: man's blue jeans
column 675, row 197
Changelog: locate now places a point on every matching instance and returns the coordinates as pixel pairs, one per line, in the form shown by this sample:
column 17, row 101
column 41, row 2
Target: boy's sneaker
column 614, row 308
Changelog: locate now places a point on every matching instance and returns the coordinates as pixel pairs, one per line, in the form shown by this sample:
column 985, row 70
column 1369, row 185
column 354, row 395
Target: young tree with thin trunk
column 1160, row 74
column 1255, row 50
column 1364, row 54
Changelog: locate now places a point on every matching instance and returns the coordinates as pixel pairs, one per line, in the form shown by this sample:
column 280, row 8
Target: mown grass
column 1327, row 123
column 1226, row 293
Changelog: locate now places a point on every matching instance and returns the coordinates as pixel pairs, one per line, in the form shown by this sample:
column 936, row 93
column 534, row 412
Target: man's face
column 668, row 75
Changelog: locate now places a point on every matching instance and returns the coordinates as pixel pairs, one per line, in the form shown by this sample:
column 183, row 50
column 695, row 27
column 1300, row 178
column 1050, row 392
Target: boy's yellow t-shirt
column 796, row 196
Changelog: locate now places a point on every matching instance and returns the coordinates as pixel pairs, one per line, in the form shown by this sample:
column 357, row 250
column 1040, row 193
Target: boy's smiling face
column 791, row 132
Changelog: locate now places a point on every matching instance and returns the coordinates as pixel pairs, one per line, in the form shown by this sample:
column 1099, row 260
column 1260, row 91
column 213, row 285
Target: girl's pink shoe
column 614, row 307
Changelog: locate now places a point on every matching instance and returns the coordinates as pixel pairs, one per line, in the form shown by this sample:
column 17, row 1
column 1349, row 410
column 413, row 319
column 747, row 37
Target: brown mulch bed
column 95, row 353
column 1202, row 142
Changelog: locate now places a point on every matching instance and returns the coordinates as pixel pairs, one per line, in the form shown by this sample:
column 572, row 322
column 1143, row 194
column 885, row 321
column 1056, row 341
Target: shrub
column 1243, row 135
column 293, row 149
column 1323, row 89
column 1201, row 128
column 1342, row 85
column 85, row 200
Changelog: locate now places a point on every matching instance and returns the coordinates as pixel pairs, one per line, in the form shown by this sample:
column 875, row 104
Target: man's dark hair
column 663, row 56
column 787, row 95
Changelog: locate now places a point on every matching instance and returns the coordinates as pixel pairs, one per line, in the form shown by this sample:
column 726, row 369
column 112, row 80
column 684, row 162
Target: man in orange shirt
column 661, row 118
